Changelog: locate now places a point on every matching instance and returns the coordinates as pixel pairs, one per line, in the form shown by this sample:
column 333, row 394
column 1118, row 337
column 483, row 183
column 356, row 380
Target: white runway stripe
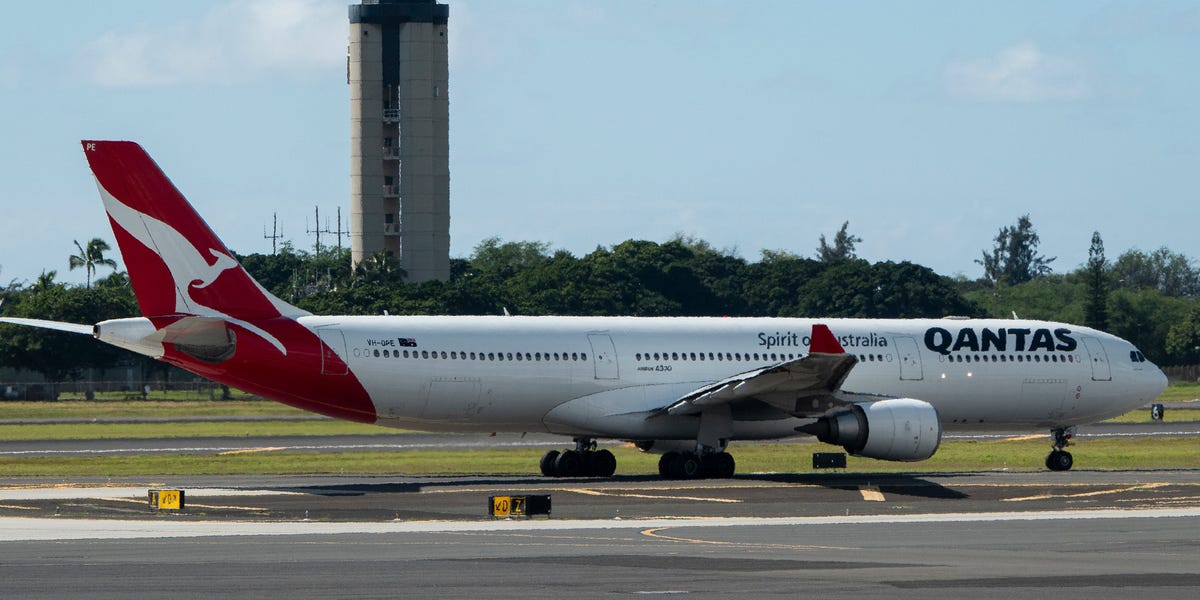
column 43, row 529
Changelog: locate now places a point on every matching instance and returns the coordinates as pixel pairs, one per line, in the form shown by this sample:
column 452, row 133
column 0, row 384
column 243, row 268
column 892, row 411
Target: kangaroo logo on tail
column 143, row 204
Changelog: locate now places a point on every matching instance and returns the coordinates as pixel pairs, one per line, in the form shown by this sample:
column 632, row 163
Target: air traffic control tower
column 399, row 135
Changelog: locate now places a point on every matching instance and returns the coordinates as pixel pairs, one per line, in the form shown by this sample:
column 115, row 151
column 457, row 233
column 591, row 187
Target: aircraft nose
column 1154, row 381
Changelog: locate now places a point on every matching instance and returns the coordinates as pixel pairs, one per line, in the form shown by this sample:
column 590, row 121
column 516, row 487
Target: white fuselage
column 602, row 376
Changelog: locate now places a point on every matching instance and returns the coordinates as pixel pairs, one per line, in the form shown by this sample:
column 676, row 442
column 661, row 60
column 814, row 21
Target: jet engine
column 903, row 429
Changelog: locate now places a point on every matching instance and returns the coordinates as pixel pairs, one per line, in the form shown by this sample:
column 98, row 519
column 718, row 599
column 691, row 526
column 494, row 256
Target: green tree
column 500, row 260
column 1169, row 272
column 91, row 257
column 57, row 354
column 1183, row 339
column 856, row 288
column 1014, row 258
column 842, row 248
column 1144, row 317
column 380, row 268
column 1095, row 313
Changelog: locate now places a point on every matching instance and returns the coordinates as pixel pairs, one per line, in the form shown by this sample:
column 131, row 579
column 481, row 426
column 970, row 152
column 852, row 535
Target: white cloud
column 232, row 42
column 1020, row 73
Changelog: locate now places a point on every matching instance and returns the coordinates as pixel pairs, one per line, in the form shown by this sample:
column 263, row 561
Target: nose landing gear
column 1059, row 459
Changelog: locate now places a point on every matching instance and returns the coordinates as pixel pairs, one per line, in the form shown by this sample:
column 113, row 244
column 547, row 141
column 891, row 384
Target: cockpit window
column 1136, row 356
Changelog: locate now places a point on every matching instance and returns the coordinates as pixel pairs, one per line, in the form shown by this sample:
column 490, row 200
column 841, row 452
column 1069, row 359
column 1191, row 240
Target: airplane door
column 1099, row 359
column 333, row 348
column 604, row 356
column 910, row 359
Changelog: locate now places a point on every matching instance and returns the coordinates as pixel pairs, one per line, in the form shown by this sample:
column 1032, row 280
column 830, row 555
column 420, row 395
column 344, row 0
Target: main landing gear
column 690, row 465
column 584, row 461
column 1059, row 459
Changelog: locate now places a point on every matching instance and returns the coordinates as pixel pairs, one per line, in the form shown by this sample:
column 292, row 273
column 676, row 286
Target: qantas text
column 1012, row 339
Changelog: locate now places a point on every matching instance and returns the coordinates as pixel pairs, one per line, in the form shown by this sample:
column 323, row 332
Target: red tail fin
column 824, row 341
column 176, row 264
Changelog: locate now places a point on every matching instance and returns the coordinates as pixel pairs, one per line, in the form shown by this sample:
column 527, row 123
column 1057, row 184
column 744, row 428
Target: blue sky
column 927, row 125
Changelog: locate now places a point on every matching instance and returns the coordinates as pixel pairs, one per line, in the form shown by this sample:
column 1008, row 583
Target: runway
column 994, row 535
column 1099, row 534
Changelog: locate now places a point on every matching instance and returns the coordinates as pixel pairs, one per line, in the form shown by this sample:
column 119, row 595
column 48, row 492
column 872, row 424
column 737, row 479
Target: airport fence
column 1182, row 373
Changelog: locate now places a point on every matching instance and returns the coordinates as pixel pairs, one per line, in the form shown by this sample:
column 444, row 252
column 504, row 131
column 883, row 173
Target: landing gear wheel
column 601, row 463
column 1059, row 460
column 569, row 463
column 720, row 465
column 666, row 465
column 688, row 466
column 547, row 463
column 680, row 465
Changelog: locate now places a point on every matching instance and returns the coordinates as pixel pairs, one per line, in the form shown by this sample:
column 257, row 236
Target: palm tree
column 45, row 281
column 91, row 257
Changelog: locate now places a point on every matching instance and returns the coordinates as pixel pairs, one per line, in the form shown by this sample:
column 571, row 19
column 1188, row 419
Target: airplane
column 683, row 387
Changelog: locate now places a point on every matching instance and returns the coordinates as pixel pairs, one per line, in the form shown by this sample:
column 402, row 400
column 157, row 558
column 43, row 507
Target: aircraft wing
column 819, row 374
column 55, row 325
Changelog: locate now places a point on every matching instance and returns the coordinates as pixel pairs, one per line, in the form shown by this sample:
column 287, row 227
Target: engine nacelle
column 903, row 429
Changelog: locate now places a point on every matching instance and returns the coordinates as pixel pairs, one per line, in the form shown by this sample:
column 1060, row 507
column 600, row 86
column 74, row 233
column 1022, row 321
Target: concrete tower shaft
column 399, row 135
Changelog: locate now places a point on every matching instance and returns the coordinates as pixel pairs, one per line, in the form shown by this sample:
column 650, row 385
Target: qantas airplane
column 684, row 387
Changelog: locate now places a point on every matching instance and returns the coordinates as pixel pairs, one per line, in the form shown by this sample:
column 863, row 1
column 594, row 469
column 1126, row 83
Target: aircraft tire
column 547, row 463
column 689, row 466
column 1059, row 460
column 569, row 463
column 601, row 463
column 666, row 465
column 719, row 466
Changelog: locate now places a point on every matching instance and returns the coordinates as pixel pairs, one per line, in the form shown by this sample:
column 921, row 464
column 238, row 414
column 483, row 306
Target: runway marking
column 398, row 447
column 593, row 492
column 189, row 504
column 699, row 485
column 58, row 528
column 86, row 492
column 252, row 450
column 654, row 533
column 871, row 493
column 1023, row 438
column 15, row 507
column 1136, row 488
column 1004, row 437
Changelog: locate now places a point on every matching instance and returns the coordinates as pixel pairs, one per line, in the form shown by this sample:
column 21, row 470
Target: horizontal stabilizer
column 43, row 324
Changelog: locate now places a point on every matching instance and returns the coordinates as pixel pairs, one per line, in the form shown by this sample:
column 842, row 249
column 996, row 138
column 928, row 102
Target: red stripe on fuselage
column 295, row 379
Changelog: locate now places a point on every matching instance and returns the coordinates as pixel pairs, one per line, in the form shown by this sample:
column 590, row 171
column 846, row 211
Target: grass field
column 956, row 456
column 1181, row 392
column 1017, row 454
